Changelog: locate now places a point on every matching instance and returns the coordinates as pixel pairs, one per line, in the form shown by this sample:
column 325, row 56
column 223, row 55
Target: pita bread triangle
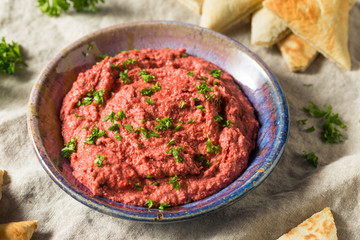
column 320, row 226
column 17, row 230
column 323, row 23
column 221, row 14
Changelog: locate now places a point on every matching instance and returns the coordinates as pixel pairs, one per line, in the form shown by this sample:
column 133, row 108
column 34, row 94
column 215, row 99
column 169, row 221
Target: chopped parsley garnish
column 55, row 8
column 148, row 176
column 149, row 101
column 175, row 183
column 171, row 142
column 203, row 78
column 85, row 54
column 128, row 127
column 204, row 89
column 201, row 107
column 84, row 127
column 182, row 104
column 156, row 184
column 216, row 73
column 196, row 99
column 175, row 153
column 142, row 120
column 227, row 123
column 149, row 202
column 311, row 158
column 310, row 129
column 118, row 137
column 183, row 55
column 163, row 206
column 181, row 121
column 330, row 133
column 121, row 114
column 124, row 77
column 99, row 160
column 218, row 101
column 177, row 127
column 76, row 116
column 138, row 187
column 307, row 85
column 115, row 65
column 91, row 96
column 95, row 134
column 145, row 76
column 114, row 127
column 10, row 57
column 69, row 148
column 216, row 83
column 153, row 134
column 164, row 124
column 190, row 74
column 218, row 118
column 210, row 147
column 200, row 158
column 112, row 117
column 302, row 122
column 190, row 121
column 102, row 57
column 91, row 47
column 127, row 62
column 151, row 91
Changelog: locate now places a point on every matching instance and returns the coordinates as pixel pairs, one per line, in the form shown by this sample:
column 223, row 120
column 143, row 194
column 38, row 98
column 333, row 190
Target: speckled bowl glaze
column 252, row 75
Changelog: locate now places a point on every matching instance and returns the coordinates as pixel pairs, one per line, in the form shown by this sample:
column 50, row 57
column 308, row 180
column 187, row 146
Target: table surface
column 293, row 192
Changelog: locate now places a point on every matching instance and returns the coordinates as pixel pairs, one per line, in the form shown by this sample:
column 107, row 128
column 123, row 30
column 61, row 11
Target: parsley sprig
column 175, row 183
column 311, row 158
column 99, row 160
column 204, row 89
column 10, row 57
column 150, row 91
column 210, row 147
column 95, row 134
column 56, row 8
column 175, row 153
column 164, row 124
column 146, row 76
column 97, row 96
column 69, row 148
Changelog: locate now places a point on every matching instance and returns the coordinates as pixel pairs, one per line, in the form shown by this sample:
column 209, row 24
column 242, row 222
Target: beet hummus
column 157, row 128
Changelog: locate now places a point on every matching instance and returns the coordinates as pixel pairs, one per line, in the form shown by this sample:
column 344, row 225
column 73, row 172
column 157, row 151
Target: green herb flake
column 190, row 121
column 138, row 187
column 171, row 142
column 204, row 89
column 112, row 117
column 84, row 127
column 142, row 121
column 156, row 183
column 164, row 124
column 99, row 161
column 307, row 85
column 216, row 73
column 190, row 74
column 153, row 134
column 210, row 147
column 182, row 104
column 127, row 62
column 310, row 129
column 91, row 96
column 175, row 153
column 128, row 127
column 201, row 107
column 150, row 91
column 302, row 121
column 227, row 123
column 69, row 148
column 216, row 83
column 148, row 176
column 124, row 77
column 56, row 8
column 118, row 137
column 114, row 127
column 90, row 47
column 311, row 158
column 177, row 128
column 196, row 99
column 150, row 203
column 183, row 55
column 145, row 76
column 10, row 57
column 163, row 206
column 175, row 183
column 85, row 54
column 218, row 118
column 115, row 65
column 121, row 114
column 95, row 134
column 149, row 101
column 76, row 116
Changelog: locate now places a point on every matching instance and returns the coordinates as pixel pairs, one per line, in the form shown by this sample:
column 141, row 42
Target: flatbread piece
column 194, row 5
column 323, row 23
column 320, row 226
column 17, row 230
column 267, row 28
column 219, row 15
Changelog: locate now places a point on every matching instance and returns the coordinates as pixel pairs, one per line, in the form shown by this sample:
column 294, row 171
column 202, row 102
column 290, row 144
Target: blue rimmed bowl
column 250, row 73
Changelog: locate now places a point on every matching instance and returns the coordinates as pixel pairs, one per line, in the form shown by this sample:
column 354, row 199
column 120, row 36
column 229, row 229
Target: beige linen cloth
column 293, row 191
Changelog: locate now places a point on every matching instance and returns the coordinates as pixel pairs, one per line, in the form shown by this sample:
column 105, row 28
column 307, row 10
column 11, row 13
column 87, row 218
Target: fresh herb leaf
column 69, row 148
column 175, row 153
column 150, row 203
column 190, row 74
column 115, row 65
column 307, row 85
column 196, row 99
column 53, row 8
column 114, row 127
column 315, row 111
column 145, row 76
column 164, row 124
column 210, row 147
column 216, row 73
column 163, row 206
column 84, row 127
column 218, row 118
column 177, row 127
column 171, row 142
column 149, row 101
column 156, row 184
column 175, row 183
column 216, row 83
column 190, row 121
column 10, row 57
column 95, row 134
column 127, row 62
column 302, row 122
column 311, row 158
column 201, row 107
column 310, row 129
column 148, row 176
column 227, row 123
column 112, row 117
column 204, row 89
column 182, row 104
column 184, row 55
column 153, row 134
column 118, row 137
column 91, row 96
column 128, row 127
column 99, row 160
column 218, row 102
column 121, row 114
column 151, row 91
column 138, row 187
column 85, row 54
column 124, row 77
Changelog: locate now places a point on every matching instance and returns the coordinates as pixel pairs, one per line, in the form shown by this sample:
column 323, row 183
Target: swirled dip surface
column 157, row 124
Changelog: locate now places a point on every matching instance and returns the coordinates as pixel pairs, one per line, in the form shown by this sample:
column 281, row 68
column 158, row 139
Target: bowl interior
column 256, row 81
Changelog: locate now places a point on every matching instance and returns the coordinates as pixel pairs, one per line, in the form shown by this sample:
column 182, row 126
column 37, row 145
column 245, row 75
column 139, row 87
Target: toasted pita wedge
column 17, row 230
column 320, row 226
column 297, row 53
column 219, row 15
column 1, row 181
column 194, row 5
column 323, row 23
column 267, row 28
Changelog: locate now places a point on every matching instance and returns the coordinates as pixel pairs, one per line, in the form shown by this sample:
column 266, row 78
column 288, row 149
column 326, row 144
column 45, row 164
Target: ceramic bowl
column 250, row 73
